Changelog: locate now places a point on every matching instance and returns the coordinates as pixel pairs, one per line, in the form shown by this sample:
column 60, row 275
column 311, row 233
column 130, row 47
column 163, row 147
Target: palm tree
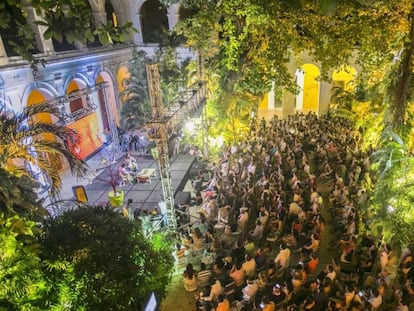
column 136, row 109
column 24, row 141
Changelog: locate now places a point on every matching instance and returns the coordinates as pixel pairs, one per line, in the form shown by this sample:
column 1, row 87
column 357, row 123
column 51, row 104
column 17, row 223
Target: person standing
column 190, row 282
column 163, row 211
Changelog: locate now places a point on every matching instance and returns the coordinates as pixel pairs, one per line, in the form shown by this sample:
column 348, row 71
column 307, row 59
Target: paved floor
column 145, row 196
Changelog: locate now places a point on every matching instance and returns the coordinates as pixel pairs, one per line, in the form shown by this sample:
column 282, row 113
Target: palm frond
column 24, row 139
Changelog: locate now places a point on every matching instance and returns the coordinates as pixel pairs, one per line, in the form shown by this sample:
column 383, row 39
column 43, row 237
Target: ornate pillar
column 288, row 104
column 3, row 55
column 44, row 46
column 173, row 15
column 324, row 98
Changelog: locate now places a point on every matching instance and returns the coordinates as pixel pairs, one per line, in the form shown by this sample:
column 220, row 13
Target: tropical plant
column 174, row 73
column 72, row 20
column 18, row 198
column 26, row 141
column 23, row 286
column 136, row 109
column 109, row 264
column 391, row 210
column 233, row 117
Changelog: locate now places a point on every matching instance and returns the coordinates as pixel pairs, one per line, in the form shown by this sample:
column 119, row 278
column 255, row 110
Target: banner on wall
column 88, row 138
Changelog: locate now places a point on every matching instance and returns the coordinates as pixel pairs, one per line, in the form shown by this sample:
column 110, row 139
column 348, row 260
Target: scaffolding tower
column 157, row 131
column 166, row 122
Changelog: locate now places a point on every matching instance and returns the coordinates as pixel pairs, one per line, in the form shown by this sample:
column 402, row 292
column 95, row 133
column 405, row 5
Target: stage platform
column 145, row 196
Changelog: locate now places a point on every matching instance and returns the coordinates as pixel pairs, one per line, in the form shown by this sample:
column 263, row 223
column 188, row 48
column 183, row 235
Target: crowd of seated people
column 262, row 226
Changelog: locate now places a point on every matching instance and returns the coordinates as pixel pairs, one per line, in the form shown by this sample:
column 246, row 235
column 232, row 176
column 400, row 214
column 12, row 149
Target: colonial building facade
column 85, row 80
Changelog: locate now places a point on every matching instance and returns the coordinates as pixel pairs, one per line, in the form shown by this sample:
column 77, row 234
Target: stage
column 145, row 196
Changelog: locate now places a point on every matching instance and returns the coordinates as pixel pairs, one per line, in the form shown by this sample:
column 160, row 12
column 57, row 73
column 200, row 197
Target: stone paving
column 145, row 196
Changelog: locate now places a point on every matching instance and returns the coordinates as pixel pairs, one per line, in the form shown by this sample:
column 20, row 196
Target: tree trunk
column 400, row 85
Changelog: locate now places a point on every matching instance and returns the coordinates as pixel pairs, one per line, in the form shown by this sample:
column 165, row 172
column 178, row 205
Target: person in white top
column 283, row 258
column 249, row 266
column 216, row 290
column 376, row 299
column 250, row 290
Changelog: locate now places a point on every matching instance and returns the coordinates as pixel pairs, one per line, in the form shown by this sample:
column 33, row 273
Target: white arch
column 46, row 88
column 80, row 78
column 111, row 97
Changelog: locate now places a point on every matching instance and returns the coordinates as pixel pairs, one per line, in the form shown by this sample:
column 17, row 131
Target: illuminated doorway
column 84, row 121
column 307, row 100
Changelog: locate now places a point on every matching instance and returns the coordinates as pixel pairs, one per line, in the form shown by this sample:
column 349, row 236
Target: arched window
column 154, row 21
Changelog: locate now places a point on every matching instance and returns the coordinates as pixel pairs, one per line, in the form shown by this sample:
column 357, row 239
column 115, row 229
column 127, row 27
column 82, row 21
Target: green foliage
column 25, row 140
column 394, row 190
column 23, row 286
column 71, row 19
column 108, row 34
column 233, row 117
column 174, row 75
column 136, row 109
column 17, row 197
column 110, row 265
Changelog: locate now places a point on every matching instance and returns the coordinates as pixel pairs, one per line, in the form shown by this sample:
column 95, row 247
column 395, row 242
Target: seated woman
column 298, row 277
column 131, row 163
column 312, row 246
column 198, row 241
column 125, row 175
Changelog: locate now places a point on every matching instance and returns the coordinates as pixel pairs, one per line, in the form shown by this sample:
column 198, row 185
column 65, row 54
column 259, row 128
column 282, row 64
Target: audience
column 278, row 183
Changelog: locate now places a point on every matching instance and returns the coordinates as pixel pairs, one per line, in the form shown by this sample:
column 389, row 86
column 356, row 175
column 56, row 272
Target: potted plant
column 115, row 195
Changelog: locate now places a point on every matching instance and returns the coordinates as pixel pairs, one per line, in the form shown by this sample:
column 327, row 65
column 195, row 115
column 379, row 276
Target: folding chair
column 230, row 290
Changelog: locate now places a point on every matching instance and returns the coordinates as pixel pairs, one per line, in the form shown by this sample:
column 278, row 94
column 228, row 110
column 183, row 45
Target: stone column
column 3, row 55
column 288, row 104
column 324, row 97
column 271, row 98
column 129, row 11
column 173, row 15
column 44, row 46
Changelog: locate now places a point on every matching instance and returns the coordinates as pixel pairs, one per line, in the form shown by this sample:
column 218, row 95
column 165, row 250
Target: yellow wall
column 264, row 103
column 310, row 87
column 73, row 86
column 346, row 75
column 37, row 97
column 123, row 74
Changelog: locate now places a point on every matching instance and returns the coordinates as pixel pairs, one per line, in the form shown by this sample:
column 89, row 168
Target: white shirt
column 249, row 292
column 283, row 258
column 163, row 207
